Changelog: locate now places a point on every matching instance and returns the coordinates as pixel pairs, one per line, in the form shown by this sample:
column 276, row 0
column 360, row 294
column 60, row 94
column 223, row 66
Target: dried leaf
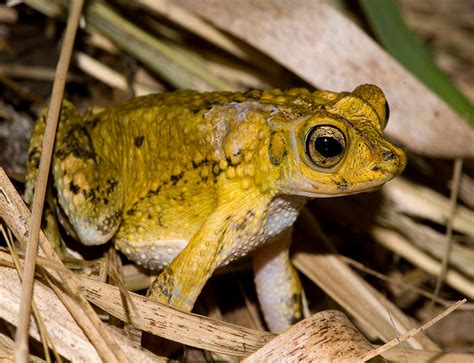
column 323, row 47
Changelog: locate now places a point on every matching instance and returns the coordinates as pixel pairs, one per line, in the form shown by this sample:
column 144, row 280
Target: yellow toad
column 188, row 182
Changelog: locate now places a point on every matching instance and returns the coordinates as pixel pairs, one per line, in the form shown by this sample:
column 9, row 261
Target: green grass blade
column 391, row 30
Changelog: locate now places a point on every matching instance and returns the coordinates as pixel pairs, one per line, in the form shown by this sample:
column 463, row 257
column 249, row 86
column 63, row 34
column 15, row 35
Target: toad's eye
column 325, row 145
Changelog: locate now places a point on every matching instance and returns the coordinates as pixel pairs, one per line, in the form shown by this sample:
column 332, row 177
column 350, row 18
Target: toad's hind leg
column 278, row 285
column 88, row 192
column 157, row 227
column 146, row 236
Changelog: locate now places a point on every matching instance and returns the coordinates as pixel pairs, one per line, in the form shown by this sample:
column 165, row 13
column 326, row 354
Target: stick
column 21, row 339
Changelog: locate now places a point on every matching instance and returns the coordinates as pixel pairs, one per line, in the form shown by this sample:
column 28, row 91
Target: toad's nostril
column 388, row 156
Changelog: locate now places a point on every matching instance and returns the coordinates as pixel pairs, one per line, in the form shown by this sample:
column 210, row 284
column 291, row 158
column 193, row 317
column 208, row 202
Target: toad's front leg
column 232, row 224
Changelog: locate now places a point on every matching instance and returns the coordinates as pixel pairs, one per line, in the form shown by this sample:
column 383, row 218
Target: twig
column 359, row 266
column 411, row 333
column 45, row 337
column 398, row 244
column 32, row 72
column 360, row 299
column 176, row 65
column 107, row 75
column 449, row 227
column 202, row 28
column 423, row 202
column 21, row 346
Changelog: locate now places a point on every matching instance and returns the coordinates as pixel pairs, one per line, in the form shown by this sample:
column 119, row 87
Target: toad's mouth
column 324, row 191
column 313, row 195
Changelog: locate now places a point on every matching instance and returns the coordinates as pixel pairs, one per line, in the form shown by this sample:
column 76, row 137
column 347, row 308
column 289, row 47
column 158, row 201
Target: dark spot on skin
column 375, row 168
column 297, row 307
column 220, row 244
column 32, row 152
column 295, row 299
column 112, row 183
column 203, row 107
column 207, row 163
column 75, row 189
column 179, row 198
column 343, row 185
column 94, row 120
column 226, row 222
column 77, row 142
column 106, row 201
column 131, row 212
column 151, row 192
column 89, row 194
column 197, row 165
column 292, row 320
column 291, row 113
column 159, row 221
column 166, row 284
column 220, row 248
column 44, row 223
column 139, row 141
column 315, row 186
column 109, row 222
column 246, row 220
column 176, row 178
column 34, row 157
column 182, row 177
column 253, row 94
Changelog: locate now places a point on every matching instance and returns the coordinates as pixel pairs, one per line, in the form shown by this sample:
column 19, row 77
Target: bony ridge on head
column 374, row 96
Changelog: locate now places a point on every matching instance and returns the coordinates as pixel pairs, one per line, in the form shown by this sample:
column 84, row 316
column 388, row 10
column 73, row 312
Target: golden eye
column 325, row 145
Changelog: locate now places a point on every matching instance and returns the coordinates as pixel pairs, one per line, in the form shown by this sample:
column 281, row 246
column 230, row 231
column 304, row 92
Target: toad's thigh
column 153, row 232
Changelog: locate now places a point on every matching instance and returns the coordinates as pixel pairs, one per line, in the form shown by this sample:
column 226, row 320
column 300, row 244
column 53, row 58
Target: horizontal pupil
column 328, row 146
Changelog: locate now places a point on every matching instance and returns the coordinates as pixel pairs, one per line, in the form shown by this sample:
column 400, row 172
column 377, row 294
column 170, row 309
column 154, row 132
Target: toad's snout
column 392, row 163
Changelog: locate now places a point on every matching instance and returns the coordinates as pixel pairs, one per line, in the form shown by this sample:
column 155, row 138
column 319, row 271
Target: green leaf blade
column 391, row 30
